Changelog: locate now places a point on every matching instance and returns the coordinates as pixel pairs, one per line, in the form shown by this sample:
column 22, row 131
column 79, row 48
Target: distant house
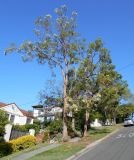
column 16, row 115
column 49, row 113
column 96, row 123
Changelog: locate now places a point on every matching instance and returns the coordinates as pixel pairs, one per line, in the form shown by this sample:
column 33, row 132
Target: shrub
column 46, row 137
column 21, row 128
column 59, row 137
column 23, row 143
column 5, row 149
column 3, row 122
column 71, row 132
column 34, row 126
column 55, row 126
column 2, row 139
column 24, row 128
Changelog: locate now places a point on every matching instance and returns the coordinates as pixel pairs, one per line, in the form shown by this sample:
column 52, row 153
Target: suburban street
column 119, row 146
column 67, row 82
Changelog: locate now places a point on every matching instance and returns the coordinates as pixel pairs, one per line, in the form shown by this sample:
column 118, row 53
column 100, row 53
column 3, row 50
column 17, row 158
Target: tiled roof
column 2, row 104
column 26, row 113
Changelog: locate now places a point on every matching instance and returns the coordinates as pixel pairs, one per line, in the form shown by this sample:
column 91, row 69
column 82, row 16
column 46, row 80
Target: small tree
column 58, row 45
column 85, row 89
column 113, row 88
column 3, row 122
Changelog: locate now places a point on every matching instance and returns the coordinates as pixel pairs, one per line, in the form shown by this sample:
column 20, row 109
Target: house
column 49, row 113
column 17, row 115
column 96, row 123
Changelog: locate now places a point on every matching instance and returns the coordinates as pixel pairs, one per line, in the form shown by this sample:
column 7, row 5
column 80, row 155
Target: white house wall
column 19, row 119
column 37, row 112
column 12, row 109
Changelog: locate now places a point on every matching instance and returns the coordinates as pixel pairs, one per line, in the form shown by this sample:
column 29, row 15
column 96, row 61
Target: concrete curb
column 90, row 146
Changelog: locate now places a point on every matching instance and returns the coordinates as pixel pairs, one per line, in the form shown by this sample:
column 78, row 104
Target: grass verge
column 68, row 149
column 13, row 155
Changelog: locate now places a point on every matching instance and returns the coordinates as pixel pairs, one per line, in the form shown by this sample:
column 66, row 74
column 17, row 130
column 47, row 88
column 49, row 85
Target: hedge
column 5, row 149
column 23, row 143
column 26, row 127
column 18, row 144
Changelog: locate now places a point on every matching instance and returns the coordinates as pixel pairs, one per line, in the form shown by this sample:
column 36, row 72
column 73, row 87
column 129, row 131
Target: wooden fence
column 16, row 134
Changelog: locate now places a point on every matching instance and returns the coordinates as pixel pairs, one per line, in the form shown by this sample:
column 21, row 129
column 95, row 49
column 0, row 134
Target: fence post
column 32, row 132
column 8, row 129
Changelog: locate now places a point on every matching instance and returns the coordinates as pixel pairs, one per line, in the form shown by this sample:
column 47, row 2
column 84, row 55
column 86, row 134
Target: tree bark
column 73, row 123
column 86, row 123
column 114, row 118
column 65, row 132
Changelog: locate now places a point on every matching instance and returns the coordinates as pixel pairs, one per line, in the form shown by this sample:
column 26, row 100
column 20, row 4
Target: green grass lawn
column 68, row 149
column 23, row 151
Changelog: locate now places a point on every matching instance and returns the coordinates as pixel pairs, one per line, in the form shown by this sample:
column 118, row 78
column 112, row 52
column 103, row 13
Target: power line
column 127, row 66
column 123, row 68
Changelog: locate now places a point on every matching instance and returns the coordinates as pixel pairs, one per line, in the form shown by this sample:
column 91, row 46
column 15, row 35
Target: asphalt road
column 119, row 146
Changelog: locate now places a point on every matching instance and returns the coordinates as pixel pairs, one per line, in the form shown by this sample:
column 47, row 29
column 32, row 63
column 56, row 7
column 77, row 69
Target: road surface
column 119, row 146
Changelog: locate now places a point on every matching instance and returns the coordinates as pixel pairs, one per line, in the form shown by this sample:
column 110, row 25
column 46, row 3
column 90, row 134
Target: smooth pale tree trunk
column 73, row 123
column 86, row 123
column 105, row 120
column 114, row 118
column 65, row 132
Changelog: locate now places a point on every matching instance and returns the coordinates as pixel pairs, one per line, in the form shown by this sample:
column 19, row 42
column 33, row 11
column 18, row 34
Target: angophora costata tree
column 57, row 45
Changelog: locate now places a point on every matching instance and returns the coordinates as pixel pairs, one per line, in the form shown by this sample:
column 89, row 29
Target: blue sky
column 111, row 20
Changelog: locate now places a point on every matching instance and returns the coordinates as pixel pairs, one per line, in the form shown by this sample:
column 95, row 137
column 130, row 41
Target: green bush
column 26, row 127
column 22, row 143
column 59, row 137
column 34, row 126
column 5, row 149
column 21, row 128
column 71, row 132
column 3, row 122
column 55, row 126
column 46, row 136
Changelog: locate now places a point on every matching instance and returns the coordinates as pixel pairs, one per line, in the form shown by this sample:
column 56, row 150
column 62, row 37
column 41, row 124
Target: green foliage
column 72, row 133
column 3, row 122
column 46, row 123
column 79, row 121
column 124, row 111
column 113, row 89
column 55, row 126
column 59, row 137
column 46, row 136
column 94, row 88
column 5, row 149
column 84, row 88
column 24, row 128
column 21, row 128
column 58, row 45
column 96, row 115
column 34, row 126
column 18, row 144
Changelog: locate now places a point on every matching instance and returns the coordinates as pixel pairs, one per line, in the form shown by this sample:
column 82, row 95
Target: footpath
column 25, row 156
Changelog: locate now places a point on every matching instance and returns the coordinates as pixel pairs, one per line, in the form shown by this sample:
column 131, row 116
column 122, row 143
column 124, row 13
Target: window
column 12, row 118
column 28, row 120
column 8, row 116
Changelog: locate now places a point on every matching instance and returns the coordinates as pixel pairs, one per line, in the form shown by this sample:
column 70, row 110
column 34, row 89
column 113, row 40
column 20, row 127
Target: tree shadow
column 98, row 130
column 5, row 149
